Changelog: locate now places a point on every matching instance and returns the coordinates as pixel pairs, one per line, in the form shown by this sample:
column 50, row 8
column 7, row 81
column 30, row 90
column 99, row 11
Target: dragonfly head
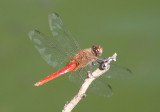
column 97, row 50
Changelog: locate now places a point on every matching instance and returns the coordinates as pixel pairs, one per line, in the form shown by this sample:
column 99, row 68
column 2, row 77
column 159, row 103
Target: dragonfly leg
column 80, row 74
column 101, row 59
column 91, row 69
column 90, row 72
column 95, row 63
column 101, row 62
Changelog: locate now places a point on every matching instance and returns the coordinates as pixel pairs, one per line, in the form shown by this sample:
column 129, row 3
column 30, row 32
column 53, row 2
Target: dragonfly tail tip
column 37, row 84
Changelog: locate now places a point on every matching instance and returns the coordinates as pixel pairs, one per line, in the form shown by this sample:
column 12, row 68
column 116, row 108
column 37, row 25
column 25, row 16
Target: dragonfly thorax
column 84, row 57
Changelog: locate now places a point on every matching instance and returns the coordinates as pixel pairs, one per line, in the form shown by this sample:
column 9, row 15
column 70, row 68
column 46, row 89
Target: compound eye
column 98, row 50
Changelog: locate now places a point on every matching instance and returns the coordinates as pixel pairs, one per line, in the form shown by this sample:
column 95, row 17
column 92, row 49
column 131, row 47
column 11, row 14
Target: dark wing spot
column 56, row 14
column 128, row 70
column 37, row 31
column 109, row 86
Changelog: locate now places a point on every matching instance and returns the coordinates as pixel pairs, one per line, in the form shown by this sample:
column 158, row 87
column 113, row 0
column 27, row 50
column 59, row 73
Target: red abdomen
column 70, row 67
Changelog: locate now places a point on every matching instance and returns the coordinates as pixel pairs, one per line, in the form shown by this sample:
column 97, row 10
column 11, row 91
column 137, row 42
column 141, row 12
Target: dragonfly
column 64, row 53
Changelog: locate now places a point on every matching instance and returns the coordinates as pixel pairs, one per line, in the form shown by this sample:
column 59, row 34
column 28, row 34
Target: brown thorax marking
column 83, row 58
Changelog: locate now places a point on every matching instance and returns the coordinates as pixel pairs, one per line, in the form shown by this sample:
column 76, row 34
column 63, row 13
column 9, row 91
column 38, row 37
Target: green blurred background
column 130, row 28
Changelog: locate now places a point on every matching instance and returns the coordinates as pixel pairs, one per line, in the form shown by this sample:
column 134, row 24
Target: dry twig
column 104, row 67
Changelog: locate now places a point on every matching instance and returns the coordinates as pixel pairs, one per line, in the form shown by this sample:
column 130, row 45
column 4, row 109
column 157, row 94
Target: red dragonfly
column 64, row 53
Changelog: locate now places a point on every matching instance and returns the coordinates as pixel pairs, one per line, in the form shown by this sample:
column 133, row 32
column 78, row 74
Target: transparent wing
column 99, row 86
column 49, row 51
column 62, row 35
column 118, row 72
